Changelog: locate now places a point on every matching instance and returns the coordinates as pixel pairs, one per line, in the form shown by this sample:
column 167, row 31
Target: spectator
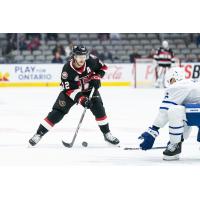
column 7, row 52
column 30, row 36
column 115, row 36
column 22, row 43
column 60, row 49
column 12, row 37
column 198, row 40
column 34, row 44
column 134, row 55
column 95, row 52
column 103, row 36
column 106, row 55
column 189, row 58
column 11, row 43
column 52, row 36
column 68, row 49
column 198, row 58
column 10, row 47
column 57, row 58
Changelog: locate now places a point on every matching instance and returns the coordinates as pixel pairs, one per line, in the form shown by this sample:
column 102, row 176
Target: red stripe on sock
column 49, row 122
column 101, row 118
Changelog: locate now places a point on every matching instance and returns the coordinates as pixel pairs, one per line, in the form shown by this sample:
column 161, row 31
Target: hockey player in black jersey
column 79, row 75
column 164, row 58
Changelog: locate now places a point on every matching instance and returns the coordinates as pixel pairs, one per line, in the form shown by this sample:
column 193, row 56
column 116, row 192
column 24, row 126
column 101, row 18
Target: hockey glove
column 148, row 138
column 95, row 81
column 85, row 102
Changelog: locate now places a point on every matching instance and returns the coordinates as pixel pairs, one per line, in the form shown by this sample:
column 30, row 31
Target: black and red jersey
column 164, row 57
column 75, row 81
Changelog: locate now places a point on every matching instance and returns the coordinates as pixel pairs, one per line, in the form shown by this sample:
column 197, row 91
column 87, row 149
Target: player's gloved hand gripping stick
column 148, row 138
column 69, row 145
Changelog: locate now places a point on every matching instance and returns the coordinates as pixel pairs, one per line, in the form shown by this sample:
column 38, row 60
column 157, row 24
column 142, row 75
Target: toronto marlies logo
column 166, row 95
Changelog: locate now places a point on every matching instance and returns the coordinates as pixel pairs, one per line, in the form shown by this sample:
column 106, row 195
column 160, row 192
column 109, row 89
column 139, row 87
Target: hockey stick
column 69, row 145
column 138, row 148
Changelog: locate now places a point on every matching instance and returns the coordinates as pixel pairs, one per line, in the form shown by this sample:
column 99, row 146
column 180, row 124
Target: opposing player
column 164, row 58
column 181, row 108
column 79, row 75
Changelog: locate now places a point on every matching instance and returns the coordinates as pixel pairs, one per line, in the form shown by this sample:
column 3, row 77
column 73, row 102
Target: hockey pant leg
column 161, row 71
column 98, row 111
column 159, row 74
column 60, row 108
column 176, row 116
column 193, row 116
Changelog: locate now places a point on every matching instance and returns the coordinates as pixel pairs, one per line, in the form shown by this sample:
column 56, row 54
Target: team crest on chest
column 64, row 75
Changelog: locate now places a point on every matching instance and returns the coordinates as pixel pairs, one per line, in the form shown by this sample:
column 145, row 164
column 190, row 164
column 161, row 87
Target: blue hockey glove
column 148, row 138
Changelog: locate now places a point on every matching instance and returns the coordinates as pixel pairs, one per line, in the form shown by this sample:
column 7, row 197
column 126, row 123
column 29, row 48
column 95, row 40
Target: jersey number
column 66, row 86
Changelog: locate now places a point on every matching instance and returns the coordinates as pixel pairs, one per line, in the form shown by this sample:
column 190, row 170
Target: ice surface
column 130, row 111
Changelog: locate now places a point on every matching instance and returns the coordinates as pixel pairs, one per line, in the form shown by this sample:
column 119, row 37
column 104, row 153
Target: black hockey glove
column 95, row 81
column 85, row 102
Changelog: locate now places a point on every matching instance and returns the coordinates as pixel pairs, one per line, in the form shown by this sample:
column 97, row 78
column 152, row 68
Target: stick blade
column 69, row 145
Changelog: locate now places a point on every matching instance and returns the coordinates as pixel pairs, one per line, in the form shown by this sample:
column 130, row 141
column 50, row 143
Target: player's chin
column 80, row 63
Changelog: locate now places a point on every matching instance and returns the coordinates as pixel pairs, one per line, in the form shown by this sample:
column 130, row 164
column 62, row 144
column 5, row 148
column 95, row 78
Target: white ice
column 130, row 111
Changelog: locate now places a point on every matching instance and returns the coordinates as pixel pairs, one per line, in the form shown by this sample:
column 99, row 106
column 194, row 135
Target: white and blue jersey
column 185, row 93
column 181, row 93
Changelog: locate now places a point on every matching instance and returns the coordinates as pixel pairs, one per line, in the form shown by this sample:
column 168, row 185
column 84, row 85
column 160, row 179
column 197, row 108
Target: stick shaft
column 138, row 148
column 79, row 124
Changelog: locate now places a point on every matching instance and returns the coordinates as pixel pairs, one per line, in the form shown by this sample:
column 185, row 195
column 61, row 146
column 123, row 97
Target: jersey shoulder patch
column 92, row 56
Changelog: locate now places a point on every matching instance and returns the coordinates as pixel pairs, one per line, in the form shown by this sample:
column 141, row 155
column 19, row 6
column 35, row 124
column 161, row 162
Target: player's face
column 80, row 60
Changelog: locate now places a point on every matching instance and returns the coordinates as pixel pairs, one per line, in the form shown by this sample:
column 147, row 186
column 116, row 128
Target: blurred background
column 109, row 47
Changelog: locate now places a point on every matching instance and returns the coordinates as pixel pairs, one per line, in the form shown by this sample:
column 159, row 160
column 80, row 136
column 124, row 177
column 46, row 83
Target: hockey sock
column 44, row 127
column 104, row 128
column 42, row 130
column 103, row 124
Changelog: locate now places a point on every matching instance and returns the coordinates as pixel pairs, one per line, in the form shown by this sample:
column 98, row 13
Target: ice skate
column 35, row 139
column 111, row 139
column 172, row 151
